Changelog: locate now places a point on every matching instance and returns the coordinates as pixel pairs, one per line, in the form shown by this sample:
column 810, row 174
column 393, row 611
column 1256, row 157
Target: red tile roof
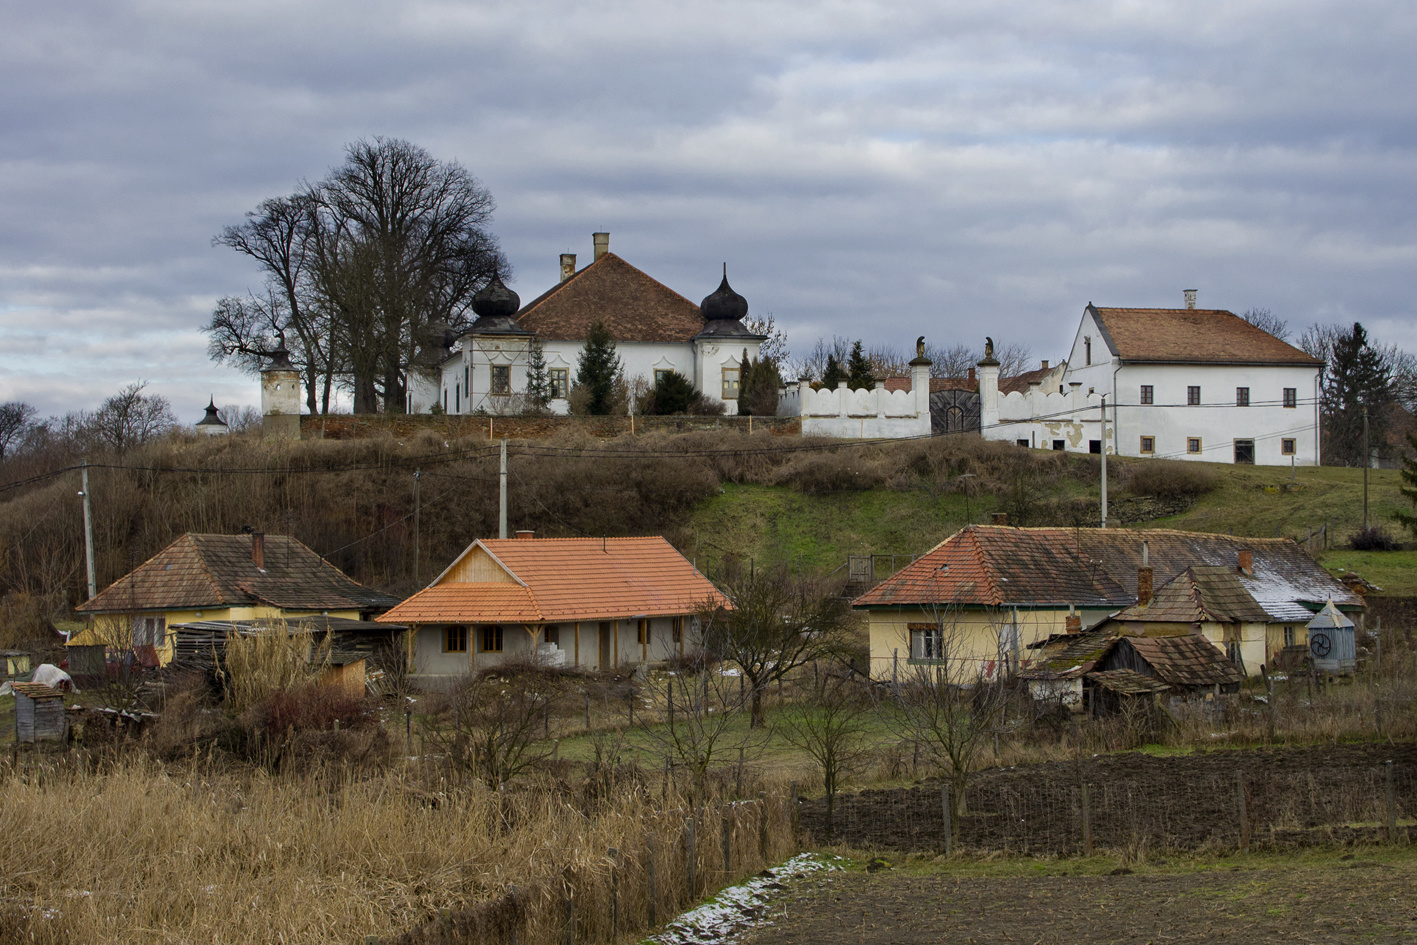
column 1192, row 336
column 633, row 306
column 208, row 571
column 560, row 580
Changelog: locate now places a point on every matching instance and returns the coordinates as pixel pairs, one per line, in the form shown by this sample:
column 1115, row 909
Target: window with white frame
column 730, row 383
column 927, row 641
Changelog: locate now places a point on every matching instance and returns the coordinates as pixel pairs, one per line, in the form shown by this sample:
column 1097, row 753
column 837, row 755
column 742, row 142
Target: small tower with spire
column 212, row 424
column 280, row 397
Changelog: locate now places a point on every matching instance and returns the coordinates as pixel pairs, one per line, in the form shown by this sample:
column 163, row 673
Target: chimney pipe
column 258, row 549
column 568, row 265
column 1000, row 518
column 971, row 374
column 1045, row 364
column 602, row 245
column 524, row 533
column 1143, row 586
column 1247, row 562
column 1145, row 555
column 1190, row 297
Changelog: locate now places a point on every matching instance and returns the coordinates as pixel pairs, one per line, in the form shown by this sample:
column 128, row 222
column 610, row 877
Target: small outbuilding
column 1331, row 641
column 39, row 713
column 14, row 663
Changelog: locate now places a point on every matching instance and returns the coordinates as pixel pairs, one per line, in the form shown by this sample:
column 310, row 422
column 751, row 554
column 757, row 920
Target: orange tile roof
column 633, row 305
column 1192, row 336
column 566, row 579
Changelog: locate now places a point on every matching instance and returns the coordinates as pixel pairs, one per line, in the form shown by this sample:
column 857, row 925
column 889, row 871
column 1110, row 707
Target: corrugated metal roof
column 567, row 579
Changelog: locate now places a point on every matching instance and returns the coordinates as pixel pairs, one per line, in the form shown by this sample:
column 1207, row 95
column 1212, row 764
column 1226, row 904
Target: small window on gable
column 455, row 639
column 1148, row 394
column 501, row 379
column 1148, row 444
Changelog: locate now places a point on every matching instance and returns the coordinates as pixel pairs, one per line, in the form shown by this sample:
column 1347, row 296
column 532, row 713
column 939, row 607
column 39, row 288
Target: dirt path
column 1356, row 901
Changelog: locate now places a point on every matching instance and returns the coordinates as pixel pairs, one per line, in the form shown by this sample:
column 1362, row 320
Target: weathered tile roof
column 1127, row 682
column 210, row 571
column 987, row 565
column 557, row 580
column 35, row 690
column 1192, row 336
column 1186, row 660
column 1200, row 594
column 633, row 306
column 1076, row 657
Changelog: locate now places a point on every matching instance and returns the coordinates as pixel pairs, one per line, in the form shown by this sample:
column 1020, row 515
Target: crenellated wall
column 864, row 413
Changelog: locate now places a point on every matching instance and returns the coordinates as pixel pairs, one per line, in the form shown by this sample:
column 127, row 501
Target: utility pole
column 1102, row 439
column 502, row 514
column 1367, row 461
column 417, row 475
column 88, row 530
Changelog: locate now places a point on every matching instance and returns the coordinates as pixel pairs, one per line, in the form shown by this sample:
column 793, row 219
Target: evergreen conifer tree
column 597, row 369
column 1409, row 486
column 858, row 370
column 833, row 374
column 758, row 391
column 1358, row 376
column 538, row 379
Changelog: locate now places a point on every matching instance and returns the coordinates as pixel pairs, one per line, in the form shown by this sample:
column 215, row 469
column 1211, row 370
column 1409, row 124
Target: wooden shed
column 39, row 713
column 14, row 663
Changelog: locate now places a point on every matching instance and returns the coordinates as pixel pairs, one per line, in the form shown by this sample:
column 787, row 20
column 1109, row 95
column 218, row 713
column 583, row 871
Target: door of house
column 1245, row 452
column 604, row 645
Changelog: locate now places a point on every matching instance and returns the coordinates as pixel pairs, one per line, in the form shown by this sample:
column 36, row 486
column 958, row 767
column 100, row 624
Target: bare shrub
column 1372, row 538
column 1169, row 479
column 257, row 666
column 490, row 726
column 825, row 473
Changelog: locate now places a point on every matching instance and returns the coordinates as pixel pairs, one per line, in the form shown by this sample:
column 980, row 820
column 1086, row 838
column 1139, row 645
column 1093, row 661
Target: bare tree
column 130, row 418
column 699, row 710
column 774, row 347
column 956, row 360
column 1265, row 320
column 947, row 699
column 779, row 621
column 16, row 419
column 491, row 725
column 830, row 726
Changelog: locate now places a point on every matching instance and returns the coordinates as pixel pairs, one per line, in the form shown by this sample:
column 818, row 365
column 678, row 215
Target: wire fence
column 1086, row 810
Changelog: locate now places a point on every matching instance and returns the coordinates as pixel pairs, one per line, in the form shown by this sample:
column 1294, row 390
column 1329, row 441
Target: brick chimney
column 258, row 549
column 1045, row 364
column 1190, row 295
column 1000, row 518
column 523, row 533
column 568, row 265
column 602, row 245
column 1073, row 624
column 1143, row 586
column 1247, row 562
column 971, row 374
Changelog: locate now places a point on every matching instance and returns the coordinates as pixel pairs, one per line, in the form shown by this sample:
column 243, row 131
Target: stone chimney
column 1143, row 586
column 568, row 265
column 1247, row 562
column 1190, row 297
column 602, row 245
column 1000, row 518
column 258, row 549
column 524, row 533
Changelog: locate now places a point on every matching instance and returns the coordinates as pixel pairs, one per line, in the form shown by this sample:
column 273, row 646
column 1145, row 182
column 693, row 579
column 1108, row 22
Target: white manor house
column 1184, row 383
column 655, row 330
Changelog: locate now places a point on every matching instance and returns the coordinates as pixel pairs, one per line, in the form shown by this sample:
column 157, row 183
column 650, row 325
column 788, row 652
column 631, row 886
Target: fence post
column 650, row 885
column 693, row 859
column 795, row 815
column 949, row 817
column 570, row 902
column 512, row 893
column 739, row 790
column 1086, row 820
column 408, row 729
column 763, row 827
column 614, row 855
column 1391, row 806
column 587, row 710
column 727, row 843
column 1244, row 814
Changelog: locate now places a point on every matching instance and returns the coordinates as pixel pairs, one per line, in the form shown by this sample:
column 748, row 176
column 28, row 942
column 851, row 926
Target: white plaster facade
column 862, row 413
column 1265, row 413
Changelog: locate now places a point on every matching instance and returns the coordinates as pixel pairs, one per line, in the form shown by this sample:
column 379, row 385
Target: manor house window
column 1193, row 395
column 560, row 383
column 1291, row 397
column 1242, row 397
column 730, row 383
column 501, row 379
column 1148, row 394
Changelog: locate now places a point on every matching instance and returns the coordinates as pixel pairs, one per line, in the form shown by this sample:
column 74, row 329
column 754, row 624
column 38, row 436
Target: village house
column 656, row 330
column 1186, row 383
column 214, row 577
column 982, row 601
column 589, row 603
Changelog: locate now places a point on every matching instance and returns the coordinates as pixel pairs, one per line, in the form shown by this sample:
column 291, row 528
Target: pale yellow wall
column 1253, row 639
column 477, row 567
column 116, row 630
column 971, row 635
column 1274, row 638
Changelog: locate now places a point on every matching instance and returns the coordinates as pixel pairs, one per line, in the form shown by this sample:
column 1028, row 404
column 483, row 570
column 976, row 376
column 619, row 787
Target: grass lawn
column 1393, row 571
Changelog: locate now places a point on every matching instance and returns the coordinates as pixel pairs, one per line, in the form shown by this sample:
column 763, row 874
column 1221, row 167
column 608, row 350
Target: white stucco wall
column 862, row 413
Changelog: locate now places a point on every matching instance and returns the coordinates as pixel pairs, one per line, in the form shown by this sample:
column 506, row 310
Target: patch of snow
column 738, row 909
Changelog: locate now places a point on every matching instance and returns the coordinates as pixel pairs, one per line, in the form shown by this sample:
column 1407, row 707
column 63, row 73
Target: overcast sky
column 872, row 169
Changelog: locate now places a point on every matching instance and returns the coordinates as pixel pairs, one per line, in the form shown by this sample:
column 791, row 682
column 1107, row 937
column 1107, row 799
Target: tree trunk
column 759, row 717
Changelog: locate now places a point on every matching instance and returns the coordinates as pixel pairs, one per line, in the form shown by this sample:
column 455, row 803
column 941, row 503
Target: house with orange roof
column 1177, row 383
column 656, row 330
column 588, row 603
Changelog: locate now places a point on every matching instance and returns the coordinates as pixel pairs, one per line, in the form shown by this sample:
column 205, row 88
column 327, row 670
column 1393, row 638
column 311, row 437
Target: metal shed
column 1331, row 641
column 39, row 713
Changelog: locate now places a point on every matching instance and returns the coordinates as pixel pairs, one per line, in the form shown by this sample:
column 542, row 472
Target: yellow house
column 220, row 577
column 989, row 597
